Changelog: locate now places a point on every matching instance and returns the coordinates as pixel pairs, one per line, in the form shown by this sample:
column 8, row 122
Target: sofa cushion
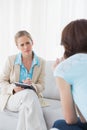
column 8, row 120
column 52, row 112
column 51, row 90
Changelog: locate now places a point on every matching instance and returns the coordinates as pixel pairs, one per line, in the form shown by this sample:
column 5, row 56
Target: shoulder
column 65, row 66
column 69, row 64
column 11, row 59
column 41, row 60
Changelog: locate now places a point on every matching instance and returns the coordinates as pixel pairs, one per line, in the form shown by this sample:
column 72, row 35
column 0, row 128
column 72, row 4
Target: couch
column 52, row 111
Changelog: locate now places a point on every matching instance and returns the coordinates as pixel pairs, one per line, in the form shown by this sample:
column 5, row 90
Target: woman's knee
column 62, row 125
column 27, row 93
column 30, row 96
column 59, row 123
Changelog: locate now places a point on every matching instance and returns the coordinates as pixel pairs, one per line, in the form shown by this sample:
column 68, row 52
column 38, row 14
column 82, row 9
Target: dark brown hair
column 23, row 33
column 74, row 38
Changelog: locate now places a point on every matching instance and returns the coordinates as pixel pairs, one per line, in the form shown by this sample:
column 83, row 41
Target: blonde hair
column 23, row 33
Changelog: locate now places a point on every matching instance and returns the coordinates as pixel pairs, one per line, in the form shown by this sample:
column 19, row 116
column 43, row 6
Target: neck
column 28, row 57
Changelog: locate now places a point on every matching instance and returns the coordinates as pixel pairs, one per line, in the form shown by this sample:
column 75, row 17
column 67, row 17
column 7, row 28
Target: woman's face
column 25, row 44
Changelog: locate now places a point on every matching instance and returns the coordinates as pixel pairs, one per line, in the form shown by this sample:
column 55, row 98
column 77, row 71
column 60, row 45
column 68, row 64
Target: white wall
column 44, row 19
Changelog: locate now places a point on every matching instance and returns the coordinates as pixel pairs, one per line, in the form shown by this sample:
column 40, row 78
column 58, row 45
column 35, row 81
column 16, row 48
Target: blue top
column 74, row 71
column 24, row 73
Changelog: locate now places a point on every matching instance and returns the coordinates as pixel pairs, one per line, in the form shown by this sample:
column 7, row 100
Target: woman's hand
column 27, row 81
column 58, row 60
column 17, row 89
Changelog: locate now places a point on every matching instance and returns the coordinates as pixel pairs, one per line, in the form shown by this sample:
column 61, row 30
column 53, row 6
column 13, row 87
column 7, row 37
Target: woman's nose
column 25, row 45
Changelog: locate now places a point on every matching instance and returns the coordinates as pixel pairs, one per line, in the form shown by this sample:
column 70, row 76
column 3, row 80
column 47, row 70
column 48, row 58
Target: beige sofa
column 52, row 111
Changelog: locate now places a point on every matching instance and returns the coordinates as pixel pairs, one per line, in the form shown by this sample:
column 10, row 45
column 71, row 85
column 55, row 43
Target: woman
column 28, row 68
column 71, row 77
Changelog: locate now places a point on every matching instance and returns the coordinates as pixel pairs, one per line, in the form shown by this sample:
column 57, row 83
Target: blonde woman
column 28, row 68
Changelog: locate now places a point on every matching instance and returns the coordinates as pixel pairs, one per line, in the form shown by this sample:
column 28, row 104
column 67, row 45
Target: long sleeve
column 7, row 76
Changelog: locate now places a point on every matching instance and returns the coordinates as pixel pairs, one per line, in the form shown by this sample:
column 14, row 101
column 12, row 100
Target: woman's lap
column 30, row 112
column 62, row 125
column 16, row 100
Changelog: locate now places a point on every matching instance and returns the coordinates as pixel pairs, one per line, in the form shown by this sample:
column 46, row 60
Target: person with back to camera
column 71, row 77
column 28, row 68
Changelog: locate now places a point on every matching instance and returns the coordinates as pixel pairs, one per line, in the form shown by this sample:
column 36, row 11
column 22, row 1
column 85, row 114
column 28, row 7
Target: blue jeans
column 62, row 125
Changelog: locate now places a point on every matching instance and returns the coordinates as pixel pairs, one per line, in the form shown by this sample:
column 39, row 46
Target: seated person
column 71, row 77
column 28, row 68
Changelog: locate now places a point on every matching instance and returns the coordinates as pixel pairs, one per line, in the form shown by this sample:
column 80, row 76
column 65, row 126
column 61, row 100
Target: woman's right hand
column 17, row 89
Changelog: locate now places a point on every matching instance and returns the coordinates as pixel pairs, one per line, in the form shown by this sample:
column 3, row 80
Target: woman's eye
column 22, row 45
column 27, row 42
